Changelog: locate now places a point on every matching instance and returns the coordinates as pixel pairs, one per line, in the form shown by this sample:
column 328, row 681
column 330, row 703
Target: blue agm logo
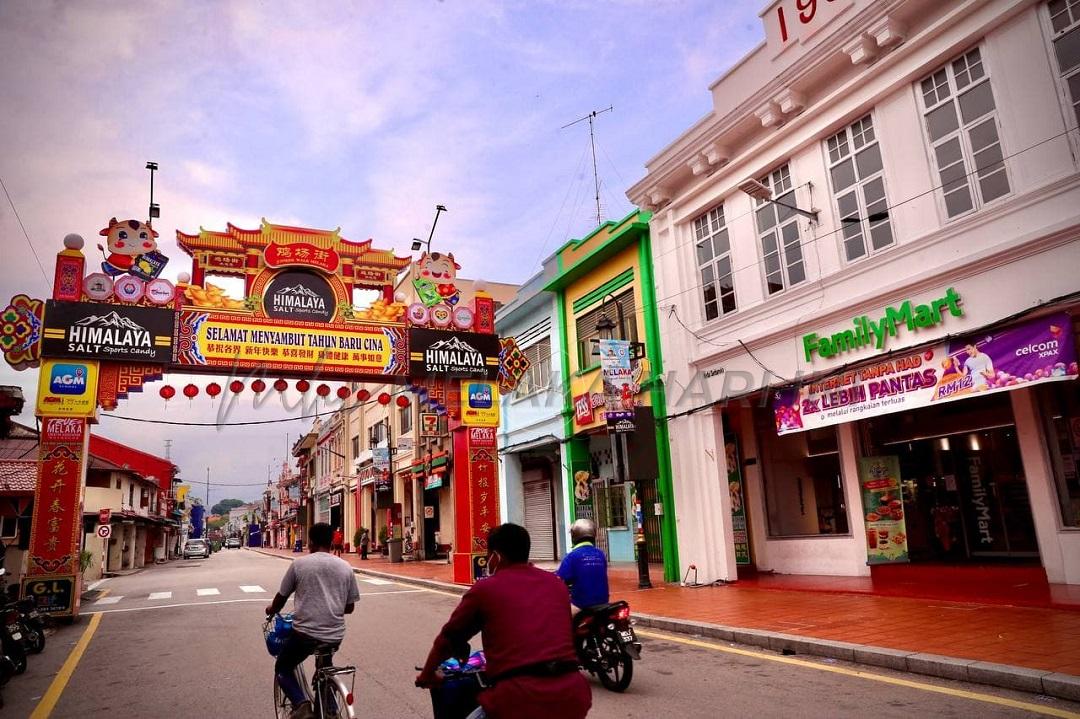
column 479, row 396
column 68, row 379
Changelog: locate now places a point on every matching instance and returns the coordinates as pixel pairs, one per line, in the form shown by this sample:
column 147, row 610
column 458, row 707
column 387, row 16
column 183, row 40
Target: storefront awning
column 546, row 440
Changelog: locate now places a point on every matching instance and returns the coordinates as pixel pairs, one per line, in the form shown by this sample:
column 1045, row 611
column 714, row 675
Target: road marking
column 109, row 600
column 160, row 595
column 895, row 681
column 234, row 601
column 252, row 589
column 207, row 592
column 94, row 585
column 379, row 582
column 52, row 695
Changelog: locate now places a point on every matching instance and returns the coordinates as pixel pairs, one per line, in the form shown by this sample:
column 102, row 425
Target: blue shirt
column 584, row 570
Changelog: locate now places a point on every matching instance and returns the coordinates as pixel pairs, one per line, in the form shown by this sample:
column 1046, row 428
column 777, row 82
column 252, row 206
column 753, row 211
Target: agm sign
column 107, row 332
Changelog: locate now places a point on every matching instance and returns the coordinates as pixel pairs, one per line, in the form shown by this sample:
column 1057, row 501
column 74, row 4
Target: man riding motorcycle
column 520, row 612
column 584, row 568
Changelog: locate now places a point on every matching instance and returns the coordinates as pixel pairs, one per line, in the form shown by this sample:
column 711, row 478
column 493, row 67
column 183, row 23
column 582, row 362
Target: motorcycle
column 33, row 625
column 11, row 637
column 607, row 645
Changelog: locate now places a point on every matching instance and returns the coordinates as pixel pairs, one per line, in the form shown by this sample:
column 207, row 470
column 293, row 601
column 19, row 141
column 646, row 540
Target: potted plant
column 383, row 536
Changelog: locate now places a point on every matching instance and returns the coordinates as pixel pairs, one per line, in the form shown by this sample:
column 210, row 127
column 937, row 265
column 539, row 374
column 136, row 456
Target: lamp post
column 417, row 243
column 605, row 326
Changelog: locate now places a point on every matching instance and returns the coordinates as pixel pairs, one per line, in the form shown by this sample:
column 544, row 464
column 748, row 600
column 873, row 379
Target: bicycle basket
column 277, row 632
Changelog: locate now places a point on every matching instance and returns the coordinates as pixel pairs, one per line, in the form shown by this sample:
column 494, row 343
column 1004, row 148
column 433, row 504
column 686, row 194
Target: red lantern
column 363, row 395
column 303, row 386
column 402, row 401
column 258, row 386
column 167, row 392
column 343, row 392
column 323, row 390
column 190, row 391
column 213, row 389
column 236, row 386
column 281, row 385
column 384, row 399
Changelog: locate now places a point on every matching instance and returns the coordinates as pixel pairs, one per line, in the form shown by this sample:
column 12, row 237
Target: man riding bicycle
column 325, row 591
column 584, row 568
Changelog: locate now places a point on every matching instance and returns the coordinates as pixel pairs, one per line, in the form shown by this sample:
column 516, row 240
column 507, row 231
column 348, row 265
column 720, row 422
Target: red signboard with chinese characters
column 57, row 521
column 303, row 254
column 63, row 429
column 477, row 497
column 214, row 261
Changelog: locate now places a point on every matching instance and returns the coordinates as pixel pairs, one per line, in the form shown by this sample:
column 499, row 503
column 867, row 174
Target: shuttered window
column 586, row 326
column 538, row 376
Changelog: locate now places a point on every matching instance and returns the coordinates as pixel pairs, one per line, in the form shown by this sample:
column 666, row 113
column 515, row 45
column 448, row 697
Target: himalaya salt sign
column 94, row 330
column 1035, row 351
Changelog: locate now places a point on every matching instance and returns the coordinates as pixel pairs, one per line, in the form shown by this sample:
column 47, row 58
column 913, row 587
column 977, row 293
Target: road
column 184, row 640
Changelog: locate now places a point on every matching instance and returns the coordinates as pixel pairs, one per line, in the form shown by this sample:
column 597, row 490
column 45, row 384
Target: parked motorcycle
column 607, row 645
column 33, row 625
column 11, row 638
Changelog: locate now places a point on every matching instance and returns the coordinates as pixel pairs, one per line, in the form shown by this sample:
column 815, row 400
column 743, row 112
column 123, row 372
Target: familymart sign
column 867, row 332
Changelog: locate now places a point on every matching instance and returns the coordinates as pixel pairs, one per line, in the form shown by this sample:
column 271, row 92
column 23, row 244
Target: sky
column 358, row 115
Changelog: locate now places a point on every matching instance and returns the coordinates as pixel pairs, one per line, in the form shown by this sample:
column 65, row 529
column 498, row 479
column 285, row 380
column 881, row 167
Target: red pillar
column 476, row 499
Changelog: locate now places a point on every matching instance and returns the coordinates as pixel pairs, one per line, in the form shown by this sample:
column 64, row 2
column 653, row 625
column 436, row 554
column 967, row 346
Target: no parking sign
column 104, row 531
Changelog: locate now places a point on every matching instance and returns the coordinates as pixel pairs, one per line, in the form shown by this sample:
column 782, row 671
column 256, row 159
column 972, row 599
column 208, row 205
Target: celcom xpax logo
column 68, row 379
column 480, row 396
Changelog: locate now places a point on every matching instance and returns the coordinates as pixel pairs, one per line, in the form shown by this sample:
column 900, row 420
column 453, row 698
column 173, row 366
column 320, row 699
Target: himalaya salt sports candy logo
column 300, row 296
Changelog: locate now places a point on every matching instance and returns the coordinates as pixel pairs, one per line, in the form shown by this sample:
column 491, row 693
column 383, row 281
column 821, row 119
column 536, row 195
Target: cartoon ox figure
column 433, row 277
column 132, row 248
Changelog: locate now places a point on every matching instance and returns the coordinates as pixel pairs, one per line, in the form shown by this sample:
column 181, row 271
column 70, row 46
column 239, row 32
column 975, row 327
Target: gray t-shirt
column 323, row 584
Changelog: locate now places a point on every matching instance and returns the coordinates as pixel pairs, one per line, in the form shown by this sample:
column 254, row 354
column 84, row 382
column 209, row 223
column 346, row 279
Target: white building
column 934, row 146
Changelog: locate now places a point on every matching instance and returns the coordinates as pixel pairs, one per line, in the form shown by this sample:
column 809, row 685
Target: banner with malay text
column 1034, row 351
column 883, row 509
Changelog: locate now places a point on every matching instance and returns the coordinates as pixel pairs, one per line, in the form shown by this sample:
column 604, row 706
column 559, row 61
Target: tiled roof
column 18, row 475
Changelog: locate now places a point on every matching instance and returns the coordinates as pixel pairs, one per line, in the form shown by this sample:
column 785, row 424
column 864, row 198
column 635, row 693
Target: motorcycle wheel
column 617, row 668
column 18, row 660
column 35, row 641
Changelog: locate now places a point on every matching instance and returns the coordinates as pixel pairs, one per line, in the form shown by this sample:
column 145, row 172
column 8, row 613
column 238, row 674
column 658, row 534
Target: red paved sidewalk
column 1038, row 638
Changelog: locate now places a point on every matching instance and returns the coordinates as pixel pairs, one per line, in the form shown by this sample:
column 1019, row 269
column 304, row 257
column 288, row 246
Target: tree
column 225, row 505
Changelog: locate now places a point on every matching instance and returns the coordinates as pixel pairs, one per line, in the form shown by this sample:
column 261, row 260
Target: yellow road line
column 895, row 681
column 52, row 694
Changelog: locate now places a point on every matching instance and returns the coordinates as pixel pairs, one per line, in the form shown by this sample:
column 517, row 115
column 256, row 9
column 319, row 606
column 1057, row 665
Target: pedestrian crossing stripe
column 160, row 595
column 251, row 589
column 378, row 582
column 109, row 600
column 207, row 592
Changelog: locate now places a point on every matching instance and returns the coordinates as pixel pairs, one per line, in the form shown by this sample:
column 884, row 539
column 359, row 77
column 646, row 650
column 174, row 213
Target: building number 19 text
column 807, row 9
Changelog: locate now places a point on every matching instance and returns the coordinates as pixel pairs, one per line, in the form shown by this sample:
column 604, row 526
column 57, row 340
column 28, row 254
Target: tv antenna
column 592, row 143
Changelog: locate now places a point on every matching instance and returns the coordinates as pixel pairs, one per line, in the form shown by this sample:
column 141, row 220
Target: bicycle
column 330, row 693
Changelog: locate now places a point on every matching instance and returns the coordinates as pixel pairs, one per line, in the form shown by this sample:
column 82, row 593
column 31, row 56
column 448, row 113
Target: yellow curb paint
column 895, row 681
column 52, row 694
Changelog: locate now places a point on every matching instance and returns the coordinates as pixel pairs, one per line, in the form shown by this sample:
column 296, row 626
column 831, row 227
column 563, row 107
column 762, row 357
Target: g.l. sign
column 303, row 254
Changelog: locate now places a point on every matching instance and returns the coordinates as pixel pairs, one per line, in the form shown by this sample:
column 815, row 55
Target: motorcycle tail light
column 623, row 614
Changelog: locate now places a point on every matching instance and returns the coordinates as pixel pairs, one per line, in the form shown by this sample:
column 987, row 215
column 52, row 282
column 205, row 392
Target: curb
column 1004, row 676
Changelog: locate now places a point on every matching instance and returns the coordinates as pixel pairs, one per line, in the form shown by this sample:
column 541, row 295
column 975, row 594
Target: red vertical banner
column 53, row 575
column 68, row 275
column 476, row 494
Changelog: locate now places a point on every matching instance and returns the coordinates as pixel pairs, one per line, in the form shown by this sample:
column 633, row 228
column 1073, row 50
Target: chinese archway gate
column 109, row 329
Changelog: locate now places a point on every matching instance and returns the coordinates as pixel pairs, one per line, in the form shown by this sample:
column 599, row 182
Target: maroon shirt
column 523, row 616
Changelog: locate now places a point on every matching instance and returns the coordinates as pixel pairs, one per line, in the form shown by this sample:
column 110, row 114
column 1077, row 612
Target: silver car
column 196, row 548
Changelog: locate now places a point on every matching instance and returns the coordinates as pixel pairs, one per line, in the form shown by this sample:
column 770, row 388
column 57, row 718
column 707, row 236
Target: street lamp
column 155, row 210
column 760, row 191
column 417, row 243
column 605, row 326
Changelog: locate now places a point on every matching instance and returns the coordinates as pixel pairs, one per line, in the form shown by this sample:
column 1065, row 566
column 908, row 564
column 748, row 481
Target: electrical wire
column 44, row 275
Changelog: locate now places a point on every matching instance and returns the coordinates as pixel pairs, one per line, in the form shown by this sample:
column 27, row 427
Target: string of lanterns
column 236, row 387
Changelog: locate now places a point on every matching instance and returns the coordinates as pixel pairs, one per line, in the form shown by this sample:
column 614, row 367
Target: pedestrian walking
column 364, row 541
column 339, row 541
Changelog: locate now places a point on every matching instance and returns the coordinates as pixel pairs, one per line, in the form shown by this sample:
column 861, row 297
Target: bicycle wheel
column 333, row 703
column 282, row 705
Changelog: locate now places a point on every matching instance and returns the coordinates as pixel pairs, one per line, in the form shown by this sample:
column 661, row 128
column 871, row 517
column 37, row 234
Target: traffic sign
column 104, row 516
column 104, row 531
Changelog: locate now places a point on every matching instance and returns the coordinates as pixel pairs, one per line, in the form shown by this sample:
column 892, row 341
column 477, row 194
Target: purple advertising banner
column 1030, row 352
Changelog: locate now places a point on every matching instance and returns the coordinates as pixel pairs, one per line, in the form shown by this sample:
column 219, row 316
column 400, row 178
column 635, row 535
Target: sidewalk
column 1027, row 648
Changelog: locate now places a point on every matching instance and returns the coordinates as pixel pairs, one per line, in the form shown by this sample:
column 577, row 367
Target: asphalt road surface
column 185, row 640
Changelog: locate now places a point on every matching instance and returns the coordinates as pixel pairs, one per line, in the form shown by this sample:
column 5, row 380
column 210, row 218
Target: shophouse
column 134, row 486
column 303, row 450
column 533, row 491
column 603, row 286
column 879, row 215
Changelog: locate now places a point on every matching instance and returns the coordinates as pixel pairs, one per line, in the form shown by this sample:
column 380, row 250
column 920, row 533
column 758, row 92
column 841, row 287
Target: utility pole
column 592, row 144
column 168, row 448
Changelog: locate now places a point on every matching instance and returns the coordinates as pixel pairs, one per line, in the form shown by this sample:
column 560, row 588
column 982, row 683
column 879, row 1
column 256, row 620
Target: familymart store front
column 954, row 455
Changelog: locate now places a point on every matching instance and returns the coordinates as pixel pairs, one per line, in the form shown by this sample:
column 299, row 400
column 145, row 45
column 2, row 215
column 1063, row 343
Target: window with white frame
column 1065, row 22
column 778, row 230
column 961, row 123
column 858, row 185
column 714, row 263
column 538, row 376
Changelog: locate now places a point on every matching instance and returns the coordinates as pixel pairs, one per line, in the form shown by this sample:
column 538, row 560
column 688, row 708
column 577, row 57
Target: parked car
column 196, row 548
column 232, row 543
